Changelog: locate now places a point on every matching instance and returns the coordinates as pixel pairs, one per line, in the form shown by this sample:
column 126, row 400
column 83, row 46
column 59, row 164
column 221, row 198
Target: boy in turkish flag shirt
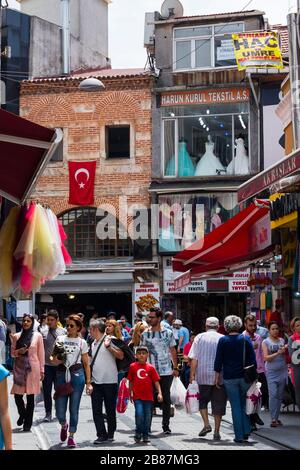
column 142, row 376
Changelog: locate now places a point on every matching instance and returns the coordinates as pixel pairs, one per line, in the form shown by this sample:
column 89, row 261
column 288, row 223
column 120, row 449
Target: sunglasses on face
column 69, row 325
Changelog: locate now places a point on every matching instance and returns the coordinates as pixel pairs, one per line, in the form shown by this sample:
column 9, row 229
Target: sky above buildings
column 126, row 22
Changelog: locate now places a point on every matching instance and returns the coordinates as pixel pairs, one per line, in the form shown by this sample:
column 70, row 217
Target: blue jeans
column 143, row 416
column 61, row 404
column 236, row 391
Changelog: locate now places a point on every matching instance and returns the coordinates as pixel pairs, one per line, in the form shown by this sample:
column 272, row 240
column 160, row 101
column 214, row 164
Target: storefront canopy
column 25, row 150
column 234, row 244
column 286, row 167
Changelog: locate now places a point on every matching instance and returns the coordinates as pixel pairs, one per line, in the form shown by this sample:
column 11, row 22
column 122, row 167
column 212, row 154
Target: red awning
column 286, row 167
column 25, row 150
column 243, row 238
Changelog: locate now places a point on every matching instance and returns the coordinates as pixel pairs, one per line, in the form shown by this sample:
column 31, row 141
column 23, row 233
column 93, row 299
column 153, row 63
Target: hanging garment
column 269, row 300
column 215, row 222
column 8, row 236
column 188, row 233
column 263, row 301
column 185, row 163
column 240, row 163
column 167, row 241
column 209, row 164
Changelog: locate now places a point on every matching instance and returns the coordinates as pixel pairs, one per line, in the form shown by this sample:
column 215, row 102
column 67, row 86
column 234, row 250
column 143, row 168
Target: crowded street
column 149, row 229
column 45, row 436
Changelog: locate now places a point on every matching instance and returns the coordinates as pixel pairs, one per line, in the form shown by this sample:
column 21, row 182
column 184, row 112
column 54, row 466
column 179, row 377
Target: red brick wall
column 83, row 116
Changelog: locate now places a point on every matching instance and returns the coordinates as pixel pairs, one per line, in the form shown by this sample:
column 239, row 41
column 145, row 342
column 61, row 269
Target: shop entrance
column 88, row 304
column 193, row 309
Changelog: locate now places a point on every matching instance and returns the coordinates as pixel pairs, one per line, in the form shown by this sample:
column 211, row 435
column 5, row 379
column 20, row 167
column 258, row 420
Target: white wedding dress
column 209, row 164
column 240, row 164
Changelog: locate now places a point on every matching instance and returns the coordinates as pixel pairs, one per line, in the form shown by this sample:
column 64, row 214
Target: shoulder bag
column 250, row 372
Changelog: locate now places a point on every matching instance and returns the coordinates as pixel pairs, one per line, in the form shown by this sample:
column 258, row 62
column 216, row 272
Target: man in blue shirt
column 183, row 336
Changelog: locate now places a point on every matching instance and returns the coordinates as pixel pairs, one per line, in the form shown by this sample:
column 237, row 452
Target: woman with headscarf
column 234, row 353
column 28, row 372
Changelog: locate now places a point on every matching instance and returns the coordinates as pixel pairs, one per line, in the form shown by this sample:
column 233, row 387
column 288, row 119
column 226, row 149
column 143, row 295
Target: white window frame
column 193, row 40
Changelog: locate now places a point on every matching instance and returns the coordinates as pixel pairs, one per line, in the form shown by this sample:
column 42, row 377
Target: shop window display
column 186, row 218
column 206, row 141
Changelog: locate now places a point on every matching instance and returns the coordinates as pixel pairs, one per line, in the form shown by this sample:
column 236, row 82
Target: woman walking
column 71, row 355
column 28, row 372
column 276, row 370
column 294, row 352
column 234, row 352
column 5, row 422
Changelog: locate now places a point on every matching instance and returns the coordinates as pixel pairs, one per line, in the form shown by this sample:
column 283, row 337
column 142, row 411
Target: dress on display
column 215, row 222
column 209, row 164
column 185, row 163
column 240, row 164
column 167, row 241
column 188, row 233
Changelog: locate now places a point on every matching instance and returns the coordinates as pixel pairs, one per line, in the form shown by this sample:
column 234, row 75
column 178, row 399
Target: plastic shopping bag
column 39, row 398
column 192, row 398
column 253, row 398
column 178, row 392
column 123, row 396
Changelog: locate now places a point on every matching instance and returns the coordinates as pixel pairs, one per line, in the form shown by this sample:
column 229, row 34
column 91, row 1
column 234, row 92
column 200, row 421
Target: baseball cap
column 178, row 322
column 212, row 321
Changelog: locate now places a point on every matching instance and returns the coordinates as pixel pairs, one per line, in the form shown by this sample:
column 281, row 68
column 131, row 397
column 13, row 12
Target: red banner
column 81, row 183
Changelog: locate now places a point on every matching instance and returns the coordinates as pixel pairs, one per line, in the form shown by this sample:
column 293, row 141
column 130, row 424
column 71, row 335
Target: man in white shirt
column 202, row 354
column 104, row 378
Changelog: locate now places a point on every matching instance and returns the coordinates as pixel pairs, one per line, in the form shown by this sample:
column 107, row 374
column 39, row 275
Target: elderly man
column 202, row 354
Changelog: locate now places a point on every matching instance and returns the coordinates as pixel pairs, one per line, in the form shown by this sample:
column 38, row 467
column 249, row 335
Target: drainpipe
column 65, row 23
column 257, row 102
column 294, row 56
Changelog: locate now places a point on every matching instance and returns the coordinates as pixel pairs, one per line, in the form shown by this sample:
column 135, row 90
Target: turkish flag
column 81, row 183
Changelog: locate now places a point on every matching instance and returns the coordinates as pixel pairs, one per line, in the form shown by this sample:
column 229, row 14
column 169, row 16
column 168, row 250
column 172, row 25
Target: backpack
column 123, row 364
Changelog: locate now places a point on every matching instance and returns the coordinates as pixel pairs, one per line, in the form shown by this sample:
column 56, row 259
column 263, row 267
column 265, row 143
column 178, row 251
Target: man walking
column 104, row 375
column 202, row 354
column 50, row 335
column 162, row 352
column 167, row 322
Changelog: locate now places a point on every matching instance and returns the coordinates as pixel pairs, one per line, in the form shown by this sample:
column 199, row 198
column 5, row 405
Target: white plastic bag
column 178, row 392
column 253, row 398
column 192, row 398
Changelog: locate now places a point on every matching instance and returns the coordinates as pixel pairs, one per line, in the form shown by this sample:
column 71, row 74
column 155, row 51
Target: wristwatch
column 175, row 368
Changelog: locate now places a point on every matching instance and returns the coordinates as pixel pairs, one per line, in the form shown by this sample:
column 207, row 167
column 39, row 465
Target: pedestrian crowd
column 115, row 362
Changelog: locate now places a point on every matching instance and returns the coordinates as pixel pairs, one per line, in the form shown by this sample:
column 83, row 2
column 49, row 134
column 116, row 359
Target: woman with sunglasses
column 28, row 372
column 74, row 369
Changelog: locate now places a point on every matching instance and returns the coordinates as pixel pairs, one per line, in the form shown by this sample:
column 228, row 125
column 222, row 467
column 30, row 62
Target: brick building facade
column 85, row 118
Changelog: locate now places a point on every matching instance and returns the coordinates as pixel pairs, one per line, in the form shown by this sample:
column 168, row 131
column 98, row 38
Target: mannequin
column 185, row 163
column 188, row 234
column 240, row 164
column 209, row 164
column 215, row 221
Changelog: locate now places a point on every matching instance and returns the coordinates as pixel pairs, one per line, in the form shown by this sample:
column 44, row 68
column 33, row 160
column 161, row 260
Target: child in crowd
column 141, row 378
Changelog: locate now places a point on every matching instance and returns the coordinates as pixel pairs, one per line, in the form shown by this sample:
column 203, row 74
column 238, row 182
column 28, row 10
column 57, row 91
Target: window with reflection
column 80, row 225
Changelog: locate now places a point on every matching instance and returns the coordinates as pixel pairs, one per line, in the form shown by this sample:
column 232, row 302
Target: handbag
column 62, row 390
column 250, row 372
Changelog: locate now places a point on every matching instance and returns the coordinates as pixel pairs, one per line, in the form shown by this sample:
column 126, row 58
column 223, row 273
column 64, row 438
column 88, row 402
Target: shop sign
column 258, row 50
column 226, row 50
column 265, row 179
column 146, row 296
column 289, row 247
column 197, row 286
column 210, row 96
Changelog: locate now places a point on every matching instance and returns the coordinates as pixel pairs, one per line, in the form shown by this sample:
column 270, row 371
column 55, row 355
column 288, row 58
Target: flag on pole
column 81, row 182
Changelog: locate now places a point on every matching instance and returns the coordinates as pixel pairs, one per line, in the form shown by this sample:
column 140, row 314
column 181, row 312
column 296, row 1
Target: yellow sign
column 257, row 50
column 289, row 247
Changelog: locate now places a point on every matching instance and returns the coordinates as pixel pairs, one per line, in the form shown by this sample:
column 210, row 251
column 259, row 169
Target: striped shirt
column 204, row 349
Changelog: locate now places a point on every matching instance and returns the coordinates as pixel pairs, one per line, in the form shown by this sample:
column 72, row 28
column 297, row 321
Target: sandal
column 279, row 423
column 274, row 424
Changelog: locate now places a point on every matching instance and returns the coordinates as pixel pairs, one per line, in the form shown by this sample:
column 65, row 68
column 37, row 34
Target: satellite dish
column 171, row 8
